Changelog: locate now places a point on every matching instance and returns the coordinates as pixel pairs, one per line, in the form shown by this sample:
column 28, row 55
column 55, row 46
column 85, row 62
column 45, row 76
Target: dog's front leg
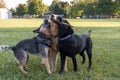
column 74, row 63
column 65, row 68
column 46, row 62
column 54, row 60
column 63, row 58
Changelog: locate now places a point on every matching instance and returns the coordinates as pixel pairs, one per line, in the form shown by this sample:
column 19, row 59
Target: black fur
column 73, row 45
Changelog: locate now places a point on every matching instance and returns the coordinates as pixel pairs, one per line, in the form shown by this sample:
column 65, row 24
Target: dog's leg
column 45, row 58
column 54, row 60
column 50, row 58
column 27, row 58
column 83, row 57
column 89, row 52
column 46, row 62
column 21, row 67
column 21, row 58
column 63, row 57
column 74, row 63
column 65, row 68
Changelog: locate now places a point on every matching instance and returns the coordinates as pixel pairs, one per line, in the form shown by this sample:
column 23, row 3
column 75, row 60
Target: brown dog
column 52, row 33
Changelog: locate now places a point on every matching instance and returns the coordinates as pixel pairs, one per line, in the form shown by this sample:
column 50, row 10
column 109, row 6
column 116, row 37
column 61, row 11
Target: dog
column 39, row 45
column 70, row 44
column 53, row 34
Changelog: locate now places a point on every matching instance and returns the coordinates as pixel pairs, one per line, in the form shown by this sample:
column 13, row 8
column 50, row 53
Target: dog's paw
column 49, row 72
column 61, row 71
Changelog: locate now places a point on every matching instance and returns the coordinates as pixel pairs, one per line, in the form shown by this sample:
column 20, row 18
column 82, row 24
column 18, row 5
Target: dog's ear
column 45, row 21
column 65, row 21
column 70, row 30
column 59, row 19
column 36, row 30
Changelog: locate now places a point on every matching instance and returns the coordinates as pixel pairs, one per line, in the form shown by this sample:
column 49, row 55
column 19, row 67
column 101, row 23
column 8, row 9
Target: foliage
column 77, row 10
column 13, row 11
column 36, row 7
column 59, row 7
column 21, row 9
column 109, row 7
column 90, row 9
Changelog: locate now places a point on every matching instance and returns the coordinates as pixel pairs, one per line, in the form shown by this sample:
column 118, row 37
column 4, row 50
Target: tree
column 55, row 8
column 90, row 9
column 21, row 9
column 33, row 7
column 13, row 11
column 77, row 10
column 65, row 7
column 108, row 7
column 116, row 4
column 36, row 7
column 2, row 4
column 59, row 7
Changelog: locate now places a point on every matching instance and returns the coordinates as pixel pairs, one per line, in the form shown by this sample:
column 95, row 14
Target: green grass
column 106, row 54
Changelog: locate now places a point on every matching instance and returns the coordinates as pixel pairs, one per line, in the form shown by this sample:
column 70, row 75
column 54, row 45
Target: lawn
column 106, row 54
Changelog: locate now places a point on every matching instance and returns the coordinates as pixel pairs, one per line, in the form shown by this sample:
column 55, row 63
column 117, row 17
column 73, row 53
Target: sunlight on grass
column 106, row 54
column 20, row 23
column 75, row 22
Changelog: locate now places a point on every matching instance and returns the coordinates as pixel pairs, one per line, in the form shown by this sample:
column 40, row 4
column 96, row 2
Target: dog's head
column 44, row 28
column 64, row 27
column 54, row 26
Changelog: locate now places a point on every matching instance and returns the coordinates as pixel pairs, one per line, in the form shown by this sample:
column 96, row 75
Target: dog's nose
column 52, row 15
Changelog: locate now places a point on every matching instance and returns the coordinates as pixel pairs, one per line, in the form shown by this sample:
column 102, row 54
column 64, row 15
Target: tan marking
column 21, row 67
column 45, row 60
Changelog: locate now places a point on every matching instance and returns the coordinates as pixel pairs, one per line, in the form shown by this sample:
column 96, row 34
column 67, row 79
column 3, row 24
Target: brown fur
column 52, row 33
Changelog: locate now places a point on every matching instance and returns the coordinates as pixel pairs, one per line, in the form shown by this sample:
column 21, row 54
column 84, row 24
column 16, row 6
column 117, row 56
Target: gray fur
column 28, row 46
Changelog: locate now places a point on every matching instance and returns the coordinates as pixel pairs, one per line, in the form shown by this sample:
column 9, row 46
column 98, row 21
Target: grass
column 106, row 54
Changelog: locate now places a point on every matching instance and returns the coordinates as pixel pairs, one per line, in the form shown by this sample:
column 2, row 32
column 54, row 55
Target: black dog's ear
column 36, row 30
column 59, row 19
column 65, row 21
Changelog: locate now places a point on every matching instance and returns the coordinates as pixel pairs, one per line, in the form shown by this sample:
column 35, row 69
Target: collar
column 64, row 38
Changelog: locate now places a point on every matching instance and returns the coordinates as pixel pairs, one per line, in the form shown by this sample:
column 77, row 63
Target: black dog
column 71, row 44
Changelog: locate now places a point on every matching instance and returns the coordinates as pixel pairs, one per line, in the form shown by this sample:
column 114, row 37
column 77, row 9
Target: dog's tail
column 89, row 32
column 6, row 47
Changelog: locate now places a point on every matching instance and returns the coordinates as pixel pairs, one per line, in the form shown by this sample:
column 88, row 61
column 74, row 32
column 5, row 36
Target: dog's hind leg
column 83, row 56
column 89, row 52
column 44, row 54
column 21, row 58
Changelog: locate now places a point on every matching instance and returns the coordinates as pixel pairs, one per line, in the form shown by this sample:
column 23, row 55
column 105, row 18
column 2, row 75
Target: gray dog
column 38, row 45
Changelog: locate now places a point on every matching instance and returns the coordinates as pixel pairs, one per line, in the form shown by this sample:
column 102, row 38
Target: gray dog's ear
column 36, row 30
column 45, row 21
